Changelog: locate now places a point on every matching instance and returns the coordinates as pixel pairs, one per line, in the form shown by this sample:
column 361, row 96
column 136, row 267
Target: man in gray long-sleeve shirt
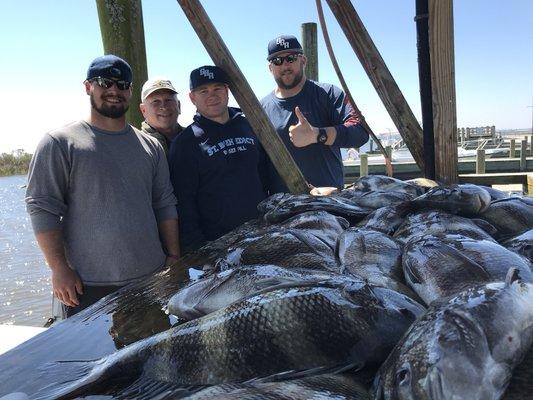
column 99, row 196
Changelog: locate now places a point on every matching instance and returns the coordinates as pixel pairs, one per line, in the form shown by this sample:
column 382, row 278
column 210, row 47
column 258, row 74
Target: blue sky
column 47, row 45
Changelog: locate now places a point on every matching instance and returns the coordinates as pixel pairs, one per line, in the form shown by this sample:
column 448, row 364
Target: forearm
column 52, row 246
column 168, row 231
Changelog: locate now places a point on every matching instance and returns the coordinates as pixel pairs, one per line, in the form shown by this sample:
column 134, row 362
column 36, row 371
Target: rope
column 388, row 164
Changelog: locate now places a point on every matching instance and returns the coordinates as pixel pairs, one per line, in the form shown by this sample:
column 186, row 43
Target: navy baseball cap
column 207, row 74
column 110, row 66
column 282, row 44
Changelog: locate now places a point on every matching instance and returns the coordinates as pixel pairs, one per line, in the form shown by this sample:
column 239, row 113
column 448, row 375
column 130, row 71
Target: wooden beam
column 523, row 178
column 310, row 47
column 381, row 78
column 441, row 47
column 244, row 95
column 122, row 30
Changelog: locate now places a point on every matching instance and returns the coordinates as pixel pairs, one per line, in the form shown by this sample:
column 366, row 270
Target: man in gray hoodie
column 99, row 196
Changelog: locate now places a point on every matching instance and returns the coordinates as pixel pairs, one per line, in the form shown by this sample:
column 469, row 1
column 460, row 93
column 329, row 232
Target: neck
column 105, row 123
column 221, row 119
column 285, row 93
column 170, row 133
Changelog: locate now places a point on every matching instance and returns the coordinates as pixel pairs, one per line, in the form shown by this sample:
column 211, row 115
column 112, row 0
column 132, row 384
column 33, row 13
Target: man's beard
column 114, row 111
column 295, row 82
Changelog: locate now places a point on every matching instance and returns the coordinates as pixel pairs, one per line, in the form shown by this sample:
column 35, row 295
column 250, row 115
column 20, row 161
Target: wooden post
column 310, row 47
column 389, row 151
column 523, row 154
column 442, row 59
column 363, row 166
column 244, row 95
column 121, row 27
column 512, row 147
column 480, row 161
column 381, row 78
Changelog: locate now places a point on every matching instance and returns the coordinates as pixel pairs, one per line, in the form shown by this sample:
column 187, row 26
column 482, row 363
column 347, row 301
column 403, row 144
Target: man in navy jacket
column 313, row 119
column 217, row 165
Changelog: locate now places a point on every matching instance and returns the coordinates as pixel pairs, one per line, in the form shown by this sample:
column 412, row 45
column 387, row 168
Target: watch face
column 322, row 136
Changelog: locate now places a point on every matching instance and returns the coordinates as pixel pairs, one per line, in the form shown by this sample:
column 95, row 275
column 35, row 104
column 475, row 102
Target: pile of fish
column 386, row 290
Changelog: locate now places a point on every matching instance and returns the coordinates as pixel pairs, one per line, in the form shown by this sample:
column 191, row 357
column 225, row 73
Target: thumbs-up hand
column 303, row 133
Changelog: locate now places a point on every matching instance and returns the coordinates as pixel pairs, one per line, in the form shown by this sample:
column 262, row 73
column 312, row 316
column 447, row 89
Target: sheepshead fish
column 511, row 216
column 440, row 266
column 466, row 200
column 381, row 198
column 297, row 204
column 326, row 386
column 219, row 290
column 424, row 183
column 440, row 222
column 386, row 219
column 380, row 183
column 359, row 247
column 323, row 225
column 297, row 328
column 464, row 348
column 291, row 248
column 521, row 244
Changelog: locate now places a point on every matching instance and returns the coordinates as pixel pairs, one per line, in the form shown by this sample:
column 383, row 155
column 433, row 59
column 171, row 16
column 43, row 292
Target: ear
column 179, row 107
column 304, row 60
column 142, row 107
column 270, row 67
column 87, row 85
column 192, row 97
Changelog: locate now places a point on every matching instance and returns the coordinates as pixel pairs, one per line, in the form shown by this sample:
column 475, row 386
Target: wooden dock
column 498, row 171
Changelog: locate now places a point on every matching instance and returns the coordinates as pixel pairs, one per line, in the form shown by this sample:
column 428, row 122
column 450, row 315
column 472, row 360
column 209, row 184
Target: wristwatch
column 322, row 137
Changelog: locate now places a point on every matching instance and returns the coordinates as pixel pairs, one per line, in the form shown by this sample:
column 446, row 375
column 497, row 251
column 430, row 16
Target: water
column 25, row 284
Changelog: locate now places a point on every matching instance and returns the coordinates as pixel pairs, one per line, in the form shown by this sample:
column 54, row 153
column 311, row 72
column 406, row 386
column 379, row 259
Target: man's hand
column 323, row 191
column 302, row 134
column 170, row 261
column 66, row 284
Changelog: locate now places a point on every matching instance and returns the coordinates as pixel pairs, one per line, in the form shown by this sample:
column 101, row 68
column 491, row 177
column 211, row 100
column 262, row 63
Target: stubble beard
column 109, row 111
column 291, row 85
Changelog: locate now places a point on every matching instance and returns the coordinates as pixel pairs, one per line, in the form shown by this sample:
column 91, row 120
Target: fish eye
column 403, row 375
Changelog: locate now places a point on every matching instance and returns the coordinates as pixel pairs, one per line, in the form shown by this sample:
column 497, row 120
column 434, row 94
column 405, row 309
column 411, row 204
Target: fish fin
column 146, row 388
column 274, row 282
column 512, row 275
column 411, row 275
column 297, row 374
column 69, row 378
column 485, row 226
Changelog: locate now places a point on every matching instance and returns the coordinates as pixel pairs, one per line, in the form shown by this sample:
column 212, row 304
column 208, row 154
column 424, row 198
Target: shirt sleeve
column 163, row 199
column 48, row 181
column 184, row 175
column 347, row 123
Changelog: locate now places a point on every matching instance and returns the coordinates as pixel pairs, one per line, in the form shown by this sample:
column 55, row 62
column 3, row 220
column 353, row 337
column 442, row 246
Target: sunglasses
column 106, row 83
column 290, row 59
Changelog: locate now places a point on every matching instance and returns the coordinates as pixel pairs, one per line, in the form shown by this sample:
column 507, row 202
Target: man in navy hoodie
column 216, row 164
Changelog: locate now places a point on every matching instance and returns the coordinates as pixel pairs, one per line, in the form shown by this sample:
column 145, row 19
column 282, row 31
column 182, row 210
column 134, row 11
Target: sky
column 47, row 45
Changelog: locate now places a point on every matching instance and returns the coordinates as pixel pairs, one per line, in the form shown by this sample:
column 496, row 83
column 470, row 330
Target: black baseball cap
column 207, row 74
column 282, row 44
column 110, row 66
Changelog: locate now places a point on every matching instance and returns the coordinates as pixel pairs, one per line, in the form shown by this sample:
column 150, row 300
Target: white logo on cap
column 281, row 42
column 208, row 74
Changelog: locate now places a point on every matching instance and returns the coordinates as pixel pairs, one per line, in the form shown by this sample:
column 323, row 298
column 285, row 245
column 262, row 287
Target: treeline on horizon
column 16, row 163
